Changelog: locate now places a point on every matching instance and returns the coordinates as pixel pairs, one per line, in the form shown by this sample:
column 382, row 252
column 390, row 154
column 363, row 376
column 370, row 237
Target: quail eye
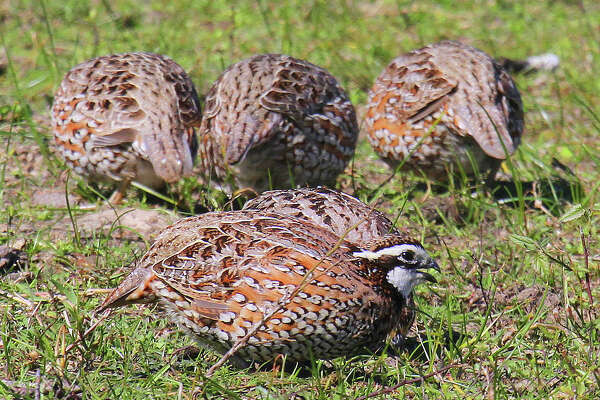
column 408, row 256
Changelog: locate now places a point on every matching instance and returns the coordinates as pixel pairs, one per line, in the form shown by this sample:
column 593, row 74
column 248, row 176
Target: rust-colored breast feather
column 127, row 117
column 271, row 120
column 435, row 105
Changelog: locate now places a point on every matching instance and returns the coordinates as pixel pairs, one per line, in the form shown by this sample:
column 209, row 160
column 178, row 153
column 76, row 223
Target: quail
column 446, row 108
column 218, row 274
column 274, row 122
column 336, row 211
column 127, row 117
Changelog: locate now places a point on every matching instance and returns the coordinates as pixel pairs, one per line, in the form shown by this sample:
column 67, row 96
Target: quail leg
column 119, row 193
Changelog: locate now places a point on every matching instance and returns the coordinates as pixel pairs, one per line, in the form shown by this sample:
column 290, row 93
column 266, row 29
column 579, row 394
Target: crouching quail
column 127, row 117
column 274, row 121
column 219, row 274
column 444, row 108
column 336, row 211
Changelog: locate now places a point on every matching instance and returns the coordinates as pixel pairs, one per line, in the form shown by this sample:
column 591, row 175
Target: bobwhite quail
column 445, row 108
column 274, row 121
column 127, row 117
column 339, row 212
column 219, row 274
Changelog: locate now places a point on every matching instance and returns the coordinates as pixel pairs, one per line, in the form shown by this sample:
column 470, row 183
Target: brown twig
column 48, row 296
column 87, row 332
column 38, row 383
column 405, row 382
column 17, row 298
column 586, row 258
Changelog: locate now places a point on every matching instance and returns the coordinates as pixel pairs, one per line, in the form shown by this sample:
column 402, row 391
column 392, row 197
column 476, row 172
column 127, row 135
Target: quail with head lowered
column 219, row 274
column 274, row 121
column 447, row 108
column 127, row 117
column 342, row 214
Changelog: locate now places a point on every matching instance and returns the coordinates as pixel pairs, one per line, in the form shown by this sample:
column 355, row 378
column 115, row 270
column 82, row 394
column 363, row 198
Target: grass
column 517, row 304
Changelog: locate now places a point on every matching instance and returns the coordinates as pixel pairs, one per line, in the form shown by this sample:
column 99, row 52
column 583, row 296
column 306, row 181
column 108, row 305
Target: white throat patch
column 404, row 280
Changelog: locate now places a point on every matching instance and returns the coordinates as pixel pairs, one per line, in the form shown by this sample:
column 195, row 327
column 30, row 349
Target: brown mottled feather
column 127, row 117
column 476, row 102
column 272, row 116
column 339, row 212
column 219, row 273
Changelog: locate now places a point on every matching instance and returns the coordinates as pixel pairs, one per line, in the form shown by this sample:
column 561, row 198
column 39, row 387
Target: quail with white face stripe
column 411, row 259
column 219, row 274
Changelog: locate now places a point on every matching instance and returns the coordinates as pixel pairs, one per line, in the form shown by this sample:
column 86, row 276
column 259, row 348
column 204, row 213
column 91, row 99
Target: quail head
column 446, row 108
column 274, row 121
column 340, row 213
column 127, row 117
column 219, row 274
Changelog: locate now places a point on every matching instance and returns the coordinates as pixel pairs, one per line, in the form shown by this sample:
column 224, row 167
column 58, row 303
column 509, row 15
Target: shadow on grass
column 412, row 348
column 551, row 193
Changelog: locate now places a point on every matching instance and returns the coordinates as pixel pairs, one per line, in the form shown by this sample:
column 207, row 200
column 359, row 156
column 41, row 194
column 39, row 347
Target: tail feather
column 135, row 288
column 542, row 62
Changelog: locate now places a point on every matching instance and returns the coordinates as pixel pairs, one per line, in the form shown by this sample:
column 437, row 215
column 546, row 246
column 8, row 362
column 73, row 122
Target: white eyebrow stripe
column 394, row 251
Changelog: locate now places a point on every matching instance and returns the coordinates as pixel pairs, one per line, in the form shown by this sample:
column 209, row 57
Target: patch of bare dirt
column 126, row 224
column 530, row 299
column 53, row 198
column 25, row 163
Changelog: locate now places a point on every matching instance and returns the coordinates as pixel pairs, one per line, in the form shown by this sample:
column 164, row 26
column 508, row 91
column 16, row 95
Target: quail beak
column 427, row 276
